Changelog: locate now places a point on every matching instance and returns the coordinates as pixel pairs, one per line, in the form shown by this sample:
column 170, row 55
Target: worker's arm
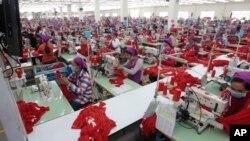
column 81, row 89
column 138, row 66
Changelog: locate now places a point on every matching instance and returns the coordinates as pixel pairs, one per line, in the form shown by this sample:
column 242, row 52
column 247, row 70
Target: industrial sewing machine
column 72, row 47
column 235, row 67
column 110, row 63
column 151, row 54
column 44, row 87
column 191, row 112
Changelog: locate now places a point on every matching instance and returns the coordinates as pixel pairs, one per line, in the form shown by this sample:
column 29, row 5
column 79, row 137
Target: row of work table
column 125, row 109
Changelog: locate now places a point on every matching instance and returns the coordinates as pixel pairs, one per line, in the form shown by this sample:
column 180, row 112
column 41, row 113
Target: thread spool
column 19, row 72
column 172, row 81
column 213, row 73
column 161, row 86
column 165, row 89
column 177, row 95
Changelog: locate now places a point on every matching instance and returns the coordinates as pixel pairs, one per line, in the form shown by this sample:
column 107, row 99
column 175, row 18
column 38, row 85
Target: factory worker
column 174, row 36
column 191, row 45
column 46, row 49
column 207, row 44
column 168, row 50
column 133, row 66
column 115, row 43
column 238, row 94
column 79, row 84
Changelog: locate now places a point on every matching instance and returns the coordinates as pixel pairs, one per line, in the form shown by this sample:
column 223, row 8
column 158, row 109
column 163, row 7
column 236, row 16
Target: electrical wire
column 199, row 106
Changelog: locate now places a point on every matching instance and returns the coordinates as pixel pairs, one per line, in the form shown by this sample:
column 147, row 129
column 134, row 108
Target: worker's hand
column 64, row 81
column 120, row 67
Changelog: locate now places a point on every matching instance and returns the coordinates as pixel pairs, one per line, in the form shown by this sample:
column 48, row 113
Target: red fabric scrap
column 31, row 113
column 119, row 80
column 94, row 123
column 149, row 125
column 220, row 63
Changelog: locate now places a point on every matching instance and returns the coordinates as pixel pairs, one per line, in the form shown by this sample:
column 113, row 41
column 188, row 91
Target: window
column 114, row 14
column 241, row 14
column 147, row 14
column 163, row 14
column 134, row 13
column 107, row 14
column 101, row 15
column 183, row 14
column 207, row 14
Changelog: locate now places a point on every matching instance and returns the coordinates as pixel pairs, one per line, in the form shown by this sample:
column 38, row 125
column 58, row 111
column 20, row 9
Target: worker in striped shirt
column 79, row 84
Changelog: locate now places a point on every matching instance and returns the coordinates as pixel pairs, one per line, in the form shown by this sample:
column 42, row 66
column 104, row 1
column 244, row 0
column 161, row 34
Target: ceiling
column 88, row 5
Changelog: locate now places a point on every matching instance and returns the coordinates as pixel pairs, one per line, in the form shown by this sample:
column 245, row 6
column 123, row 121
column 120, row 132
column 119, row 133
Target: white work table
column 124, row 110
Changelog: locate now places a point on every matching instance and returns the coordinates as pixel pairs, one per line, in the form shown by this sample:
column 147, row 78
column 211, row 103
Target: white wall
column 220, row 9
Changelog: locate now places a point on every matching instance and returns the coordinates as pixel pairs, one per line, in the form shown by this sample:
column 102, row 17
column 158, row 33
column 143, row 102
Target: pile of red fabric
column 94, row 123
column 153, row 71
column 85, row 49
column 148, row 125
column 119, row 80
column 102, row 50
column 31, row 113
column 57, row 66
column 220, row 63
column 95, row 60
column 184, row 78
column 191, row 57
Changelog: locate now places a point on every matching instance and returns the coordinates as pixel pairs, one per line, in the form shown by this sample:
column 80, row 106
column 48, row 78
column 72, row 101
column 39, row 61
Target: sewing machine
column 44, row 87
column 110, row 63
column 72, row 47
column 150, row 55
column 192, row 113
column 241, row 66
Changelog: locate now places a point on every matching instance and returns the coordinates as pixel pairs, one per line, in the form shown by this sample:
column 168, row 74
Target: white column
column 172, row 12
column 69, row 10
column 80, row 12
column 124, row 9
column 97, row 10
column 60, row 12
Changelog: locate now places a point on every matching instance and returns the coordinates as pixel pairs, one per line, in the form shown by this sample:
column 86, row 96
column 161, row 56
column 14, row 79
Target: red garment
column 241, row 118
column 236, row 104
column 183, row 78
column 94, row 123
column 31, row 113
column 220, row 63
column 120, row 78
column 149, row 125
column 85, row 49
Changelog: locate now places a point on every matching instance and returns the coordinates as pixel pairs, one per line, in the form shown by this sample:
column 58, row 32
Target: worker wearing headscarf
column 191, row 45
column 168, row 50
column 238, row 94
column 115, row 43
column 133, row 66
column 46, row 49
column 79, row 84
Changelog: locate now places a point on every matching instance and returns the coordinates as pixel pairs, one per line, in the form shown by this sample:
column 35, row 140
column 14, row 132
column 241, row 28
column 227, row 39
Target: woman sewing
column 191, row 45
column 115, row 43
column 168, row 50
column 238, row 94
column 79, row 84
column 133, row 66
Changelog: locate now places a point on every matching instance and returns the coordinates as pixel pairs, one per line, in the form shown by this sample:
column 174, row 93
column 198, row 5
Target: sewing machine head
column 200, row 109
column 110, row 63
column 43, row 85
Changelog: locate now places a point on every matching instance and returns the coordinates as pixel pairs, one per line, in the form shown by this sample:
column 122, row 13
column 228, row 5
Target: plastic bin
column 49, row 71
